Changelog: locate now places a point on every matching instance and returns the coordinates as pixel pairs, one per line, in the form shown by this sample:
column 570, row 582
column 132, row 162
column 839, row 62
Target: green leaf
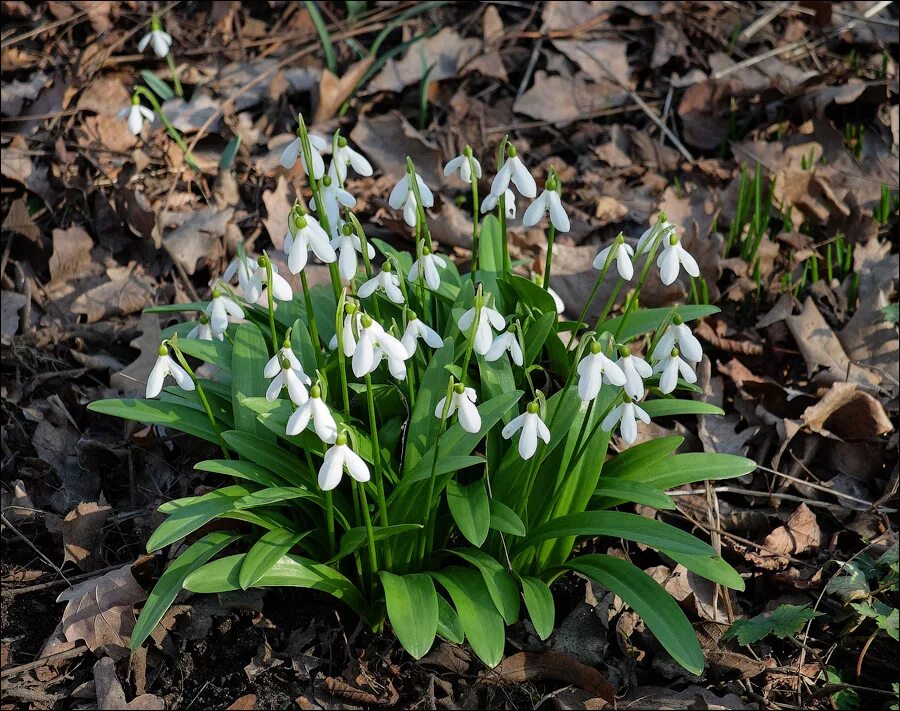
column 527, row 292
column 619, row 524
column 421, row 426
column 356, row 538
column 187, row 515
column 266, row 454
column 666, row 407
column 501, row 586
column 177, row 308
column 275, row 495
column 715, row 568
column 157, row 85
column 688, row 468
column 621, row 490
column 226, row 160
column 539, row 603
column 536, row 333
column 657, row 608
column 169, row 585
column 490, row 258
column 265, row 553
column 218, row 353
column 641, row 458
column 155, row 412
column 471, row 509
column 239, row 470
column 301, row 343
column 482, row 624
column 412, row 606
column 223, row 575
column 645, row 320
column 248, row 361
column 505, row 519
column 449, row 627
column 784, row 622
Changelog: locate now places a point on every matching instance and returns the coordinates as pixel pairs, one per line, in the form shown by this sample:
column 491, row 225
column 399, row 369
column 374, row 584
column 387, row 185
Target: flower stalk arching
column 553, row 183
column 173, row 343
column 354, row 224
column 170, row 128
column 476, row 246
column 266, row 263
column 610, row 258
column 632, row 301
column 342, row 359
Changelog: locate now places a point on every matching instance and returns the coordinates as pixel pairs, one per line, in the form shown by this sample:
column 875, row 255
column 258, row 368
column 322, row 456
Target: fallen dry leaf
column 446, row 51
column 199, row 237
column 693, row 697
column 799, row 534
column 11, row 302
column 18, row 220
column 389, row 138
column 562, row 100
column 132, row 379
column 71, row 254
column 111, row 695
column 333, row 91
column 847, row 413
column 602, row 60
column 118, row 297
column 82, row 533
column 524, row 668
column 278, row 207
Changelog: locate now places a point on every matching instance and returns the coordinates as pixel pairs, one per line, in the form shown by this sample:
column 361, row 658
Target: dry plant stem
column 379, row 474
column 202, row 395
column 31, row 545
column 43, row 661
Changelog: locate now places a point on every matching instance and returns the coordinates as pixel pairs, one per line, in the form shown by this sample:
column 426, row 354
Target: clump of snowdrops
column 430, row 447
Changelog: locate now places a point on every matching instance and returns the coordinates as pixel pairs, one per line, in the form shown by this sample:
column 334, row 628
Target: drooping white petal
column 513, row 426
column 332, row 468
column 623, row 263
column 558, row 217
column 521, row 178
column 299, row 419
column 528, row 437
column 688, row 343
column 687, row 261
column 399, row 193
column 610, row 421
column 669, row 377
column 157, row 375
column 323, row 420
column 356, row 467
column 668, row 265
column 290, row 153
column 627, row 425
column 535, row 210
column 469, row 417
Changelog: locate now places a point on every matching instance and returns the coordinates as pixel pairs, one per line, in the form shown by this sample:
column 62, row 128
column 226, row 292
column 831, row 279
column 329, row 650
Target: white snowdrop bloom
column 202, row 331
column 490, row 202
column 344, row 155
column 316, row 410
column 396, row 366
column 166, row 365
column 333, row 196
column 532, row 427
column 294, row 150
column 287, row 377
column 678, row 334
column 593, row 369
column 285, row 353
column 402, row 190
column 416, row 329
column 428, row 264
column 626, row 416
column 338, row 458
column 548, row 201
column 560, row 304
column 136, row 115
column 672, row 258
column 506, row 341
column 669, row 367
column 513, row 169
column 372, row 337
column 635, row 370
column 462, row 400
column 219, row 309
column 243, row 267
column 305, row 234
column 385, row 281
column 623, row 255
column 489, row 318
column 461, row 163
column 410, row 210
column 281, row 290
column 158, row 39
column 347, row 246
column 663, row 230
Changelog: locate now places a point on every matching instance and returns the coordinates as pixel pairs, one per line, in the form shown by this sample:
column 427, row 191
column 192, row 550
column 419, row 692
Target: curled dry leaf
column 523, row 668
column 278, row 206
column 799, row 534
column 71, row 256
column 18, row 220
column 562, row 100
column 111, row 695
column 847, row 413
column 333, row 91
column 121, row 296
column 199, row 237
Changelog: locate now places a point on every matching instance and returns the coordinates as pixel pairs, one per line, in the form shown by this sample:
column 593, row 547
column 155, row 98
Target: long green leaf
column 265, row 553
column 715, row 569
column 612, row 492
column 674, row 406
column 356, row 538
column 187, row 515
column 471, row 509
column 645, row 320
column 449, row 627
column 501, row 586
column 641, row 457
column 159, row 87
column 239, row 470
column 688, row 468
column 154, row 412
column 412, row 606
column 275, row 495
column 433, row 388
column 505, row 519
column 265, row 454
column 539, row 602
column 248, row 360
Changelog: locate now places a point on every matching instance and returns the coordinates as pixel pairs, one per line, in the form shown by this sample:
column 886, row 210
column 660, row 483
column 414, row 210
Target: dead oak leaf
column 799, row 534
column 447, row 52
column 523, row 668
column 334, row 91
column 562, row 100
column 847, row 413
column 119, row 297
column 18, row 220
column 602, row 60
column 71, row 256
column 82, row 534
column 111, row 695
column 278, row 207
column 199, row 237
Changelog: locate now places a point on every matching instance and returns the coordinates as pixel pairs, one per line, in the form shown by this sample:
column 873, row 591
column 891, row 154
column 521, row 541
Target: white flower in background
column 287, row 377
column 532, row 427
column 488, row 318
column 513, row 169
column 669, row 367
column 663, row 229
column 678, row 334
column 338, row 458
column 244, row 267
column 557, row 300
column 623, row 254
column 219, row 309
column 548, row 201
column 286, row 354
column 347, row 246
column 344, row 155
column 136, row 115
column 316, row 410
column 202, row 331
column 635, row 370
column 333, row 196
column 428, row 263
column 506, row 341
column 372, row 337
column 385, row 281
column 461, row 163
column 672, row 257
column 416, row 329
column 462, row 400
column 490, row 202
column 626, row 416
column 593, row 369
column 400, row 196
column 166, row 365
column 281, row 290
column 157, row 38
column 294, row 150
column 305, row 234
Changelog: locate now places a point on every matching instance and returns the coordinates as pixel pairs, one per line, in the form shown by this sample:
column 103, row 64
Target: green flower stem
column 370, row 536
column 311, row 318
column 470, row 343
column 551, row 236
column 342, row 359
column 379, row 475
column 475, row 240
column 632, row 301
column 209, row 413
column 610, row 302
column 501, row 157
column 173, row 132
column 606, row 265
column 175, row 80
column 270, row 297
column 427, row 540
column 367, row 263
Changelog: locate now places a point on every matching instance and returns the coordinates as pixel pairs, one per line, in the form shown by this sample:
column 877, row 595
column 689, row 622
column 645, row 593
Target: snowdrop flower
column 372, row 337
column 626, row 416
column 506, row 341
column 635, row 370
column 462, row 400
column 416, row 329
column 166, row 365
column 593, row 369
column 281, row 290
column 304, row 234
column 669, row 367
column 490, row 202
column 347, row 245
column 428, row 264
column 317, row 411
column 202, row 331
column 662, row 229
column 294, row 150
column 678, row 334
column 136, row 115
column 532, row 427
column 333, row 196
column 403, row 191
column 672, row 257
column 487, row 318
column 157, row 38
column 396, row 366
column 623, row 254
column 344, row 155
column 461, row 163
column 287, row 377
column 285, row 353
column 385, row 281
column 219, row 309
column 548, row 201
column 338, row 458
column 557, row 301
column 243, row 267
column 410, row 210
column 513, row 169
